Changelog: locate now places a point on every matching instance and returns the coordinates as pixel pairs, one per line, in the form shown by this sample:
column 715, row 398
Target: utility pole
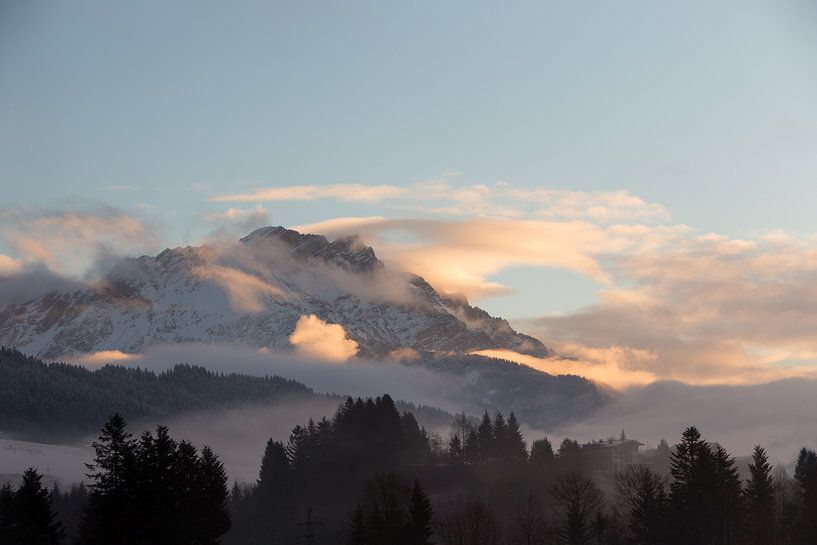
column 308, row 529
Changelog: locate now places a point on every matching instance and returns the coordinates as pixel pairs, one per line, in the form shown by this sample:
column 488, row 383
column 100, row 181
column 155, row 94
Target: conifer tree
column 643, row 495
column 420, row 513
column 358, row 532
column 471, row 450
column 485, row 439
column 499, row 446
column 211, row 498
column 541, row 453
column 7, row 510
column 455, row 450
column 726, row 497
column 275, row 469
column 691, row 469
column 805, row 473
column 34, row 519
column 108, row 513
column 517, row 449
column 759, row 524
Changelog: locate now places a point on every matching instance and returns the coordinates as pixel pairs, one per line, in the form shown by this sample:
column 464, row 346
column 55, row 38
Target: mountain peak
column 351, row 252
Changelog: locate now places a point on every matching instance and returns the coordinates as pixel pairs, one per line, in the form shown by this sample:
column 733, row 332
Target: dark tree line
column 27, row 516
column 153, row 490
column 57, row 401
column 372, row 476
column 144, row 491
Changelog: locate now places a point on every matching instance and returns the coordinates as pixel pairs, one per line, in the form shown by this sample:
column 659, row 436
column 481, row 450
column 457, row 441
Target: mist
column 780, row 416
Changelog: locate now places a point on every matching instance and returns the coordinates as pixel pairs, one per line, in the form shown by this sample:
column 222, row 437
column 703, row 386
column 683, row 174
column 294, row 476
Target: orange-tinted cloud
column 343, row 192
column 315, row 338
column 71, row 242
column 104, row 357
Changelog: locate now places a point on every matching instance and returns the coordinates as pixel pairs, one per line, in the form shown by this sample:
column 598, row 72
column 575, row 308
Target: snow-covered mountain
column 252, row 293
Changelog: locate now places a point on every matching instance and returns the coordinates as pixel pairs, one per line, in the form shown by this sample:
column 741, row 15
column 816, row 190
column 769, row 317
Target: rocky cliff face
column 252, row 293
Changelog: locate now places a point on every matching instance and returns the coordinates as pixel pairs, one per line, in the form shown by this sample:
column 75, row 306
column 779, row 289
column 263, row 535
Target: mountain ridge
column 253, row 292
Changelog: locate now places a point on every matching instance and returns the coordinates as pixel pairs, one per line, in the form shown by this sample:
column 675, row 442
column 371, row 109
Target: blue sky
column 706, row 108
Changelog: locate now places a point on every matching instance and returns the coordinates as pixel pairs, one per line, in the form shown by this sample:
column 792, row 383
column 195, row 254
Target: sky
column 631, row 181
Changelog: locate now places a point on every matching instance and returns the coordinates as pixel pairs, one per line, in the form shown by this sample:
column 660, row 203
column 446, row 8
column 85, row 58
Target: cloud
column 318, row 339
column 71, row 242
column 781, row 416
column 460, row 256
column 104, row 357
column 711, row 309
column 673, row 303
column 246, row 292
column 441, row 196
column 244, row 219
column 342, row 192
column 611, row 366
column 9, row 265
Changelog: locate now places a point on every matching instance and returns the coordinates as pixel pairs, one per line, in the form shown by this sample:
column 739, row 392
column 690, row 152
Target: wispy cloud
column 342, row 192
column 441, row 196
column 71, row 242
column 245, row 219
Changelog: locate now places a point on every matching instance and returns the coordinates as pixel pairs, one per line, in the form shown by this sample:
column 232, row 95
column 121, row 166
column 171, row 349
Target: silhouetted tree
column 485, row 439
column 386, row 510
column 541, row 453
column 726, row 498
column 7, row 510
column 109, row 504
column 692, row 472
column 33, row 520
column 805, row 473
column 210, row 498
column 516, row 450
column 578, row 502
column 760, row 514
column 529, row 524
column 644, row 499
column 418, row 525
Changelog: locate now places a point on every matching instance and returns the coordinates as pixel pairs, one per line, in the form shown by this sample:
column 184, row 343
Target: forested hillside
column 53, row 402
column 57, row 401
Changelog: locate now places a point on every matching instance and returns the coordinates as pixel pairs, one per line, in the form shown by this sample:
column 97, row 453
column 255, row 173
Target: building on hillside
column 611, row 456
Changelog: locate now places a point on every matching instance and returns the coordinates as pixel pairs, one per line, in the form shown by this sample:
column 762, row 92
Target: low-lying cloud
column 315, row 338
column 780, row 416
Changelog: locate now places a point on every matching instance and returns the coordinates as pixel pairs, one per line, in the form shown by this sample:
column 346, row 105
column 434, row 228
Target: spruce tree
column 643, row 494
column 211, row 499
column 420, row 513
column 760, row 514
column 541, row 453
column 274, row 477
column 34, row 520
column 805, row 473
column 726, row 497
column 455, row 450
column 691, row 468
column 358, row 532
column 109, row 510
column 7, row 511
column 499, row 447
column 485, row 439
column 517, row 449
